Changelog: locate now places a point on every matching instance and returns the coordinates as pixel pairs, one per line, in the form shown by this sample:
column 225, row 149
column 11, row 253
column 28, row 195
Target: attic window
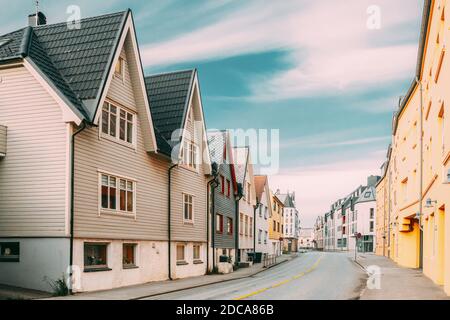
column 4, row 41
column 118, row 71
column 367, row 194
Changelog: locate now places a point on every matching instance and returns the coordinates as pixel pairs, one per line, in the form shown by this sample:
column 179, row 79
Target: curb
column 214, row 282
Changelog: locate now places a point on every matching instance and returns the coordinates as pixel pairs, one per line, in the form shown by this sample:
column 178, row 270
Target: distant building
column 319, row 233
column 306, row 238
column 291, row 222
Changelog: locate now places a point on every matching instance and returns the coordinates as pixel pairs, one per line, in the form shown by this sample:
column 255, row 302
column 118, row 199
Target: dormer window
column 118, row 71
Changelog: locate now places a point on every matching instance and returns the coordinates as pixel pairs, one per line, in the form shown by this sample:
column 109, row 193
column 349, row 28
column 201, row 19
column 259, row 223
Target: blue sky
column 309, row 68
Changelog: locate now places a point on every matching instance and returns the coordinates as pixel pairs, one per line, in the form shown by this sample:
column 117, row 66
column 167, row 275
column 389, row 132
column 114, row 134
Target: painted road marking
column 278, row 284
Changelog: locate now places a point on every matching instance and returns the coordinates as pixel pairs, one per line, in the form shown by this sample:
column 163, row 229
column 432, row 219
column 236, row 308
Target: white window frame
column 116, row 138
column 184, row 252
column 192, row 220
column 199, row 252
column 117, row 211
column 190, row 159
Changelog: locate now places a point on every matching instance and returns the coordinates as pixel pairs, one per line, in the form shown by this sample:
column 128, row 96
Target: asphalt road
column 311, row 276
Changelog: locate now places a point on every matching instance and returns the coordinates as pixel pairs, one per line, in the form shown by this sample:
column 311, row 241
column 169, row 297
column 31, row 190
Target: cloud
column 329, row 49
column 318, row 186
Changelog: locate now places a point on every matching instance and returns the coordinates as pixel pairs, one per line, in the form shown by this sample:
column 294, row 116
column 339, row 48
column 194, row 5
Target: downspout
column 236, row 233
column 72, row 197
column 169, row 217
column 421, row 175
column 212, row 183
column 255, row 207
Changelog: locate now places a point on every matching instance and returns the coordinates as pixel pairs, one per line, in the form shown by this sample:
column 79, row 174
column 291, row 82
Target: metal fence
column 269, row 259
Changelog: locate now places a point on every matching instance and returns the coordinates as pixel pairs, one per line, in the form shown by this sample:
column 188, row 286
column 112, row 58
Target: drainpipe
column 169, row 209
column 255, row 207
column 72, row 197
column 236, row 234
column 421, row 174
column 214, row 184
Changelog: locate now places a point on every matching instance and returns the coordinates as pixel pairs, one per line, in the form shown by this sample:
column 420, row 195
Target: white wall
column 39, row 259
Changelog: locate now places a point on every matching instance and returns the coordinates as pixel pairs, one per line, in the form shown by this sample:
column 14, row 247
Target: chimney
column 34, row 21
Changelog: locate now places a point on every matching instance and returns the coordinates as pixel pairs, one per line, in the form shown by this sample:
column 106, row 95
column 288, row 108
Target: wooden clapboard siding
column 94, row 153
column 33, row 175
column 187, row 181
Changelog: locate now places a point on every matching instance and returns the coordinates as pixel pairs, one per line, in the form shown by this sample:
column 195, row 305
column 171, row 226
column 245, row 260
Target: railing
column 269, row 259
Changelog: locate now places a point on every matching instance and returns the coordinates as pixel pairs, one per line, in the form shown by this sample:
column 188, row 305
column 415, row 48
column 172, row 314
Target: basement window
column 129, row 255
column 9, row 252
column 95, row 257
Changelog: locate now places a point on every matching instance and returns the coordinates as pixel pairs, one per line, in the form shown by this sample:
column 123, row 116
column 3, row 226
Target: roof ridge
column 168, row 73
column 93, row 18
column 27, row 36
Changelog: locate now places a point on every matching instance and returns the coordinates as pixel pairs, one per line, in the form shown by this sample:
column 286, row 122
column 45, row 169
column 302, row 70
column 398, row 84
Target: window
column 241, row 224
column 274, row 226
column 180, row 253
column 371, row 226
column 189, row 154
column 372, row 213
column 188, row 208
column 228, row 188
column 229, row 225
column 259, row 236
column 219, row 223
column 196, row 253
column 129, row 255
column 118, row 70
column 9, row 251
column 265, row 237
column 117, row 123
column 117, row 194
column 222, row 184
column 246, row 226
column 260, row 211
column 251, row 228
column 95, row 255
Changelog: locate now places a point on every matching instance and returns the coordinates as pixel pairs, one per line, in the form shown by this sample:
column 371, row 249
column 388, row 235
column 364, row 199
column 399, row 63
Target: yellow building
column 415, row 189
column 276, row 225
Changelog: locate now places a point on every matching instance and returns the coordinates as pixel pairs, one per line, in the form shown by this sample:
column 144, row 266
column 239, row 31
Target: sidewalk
column 398, row 283
column 14, row 293
column 162, row 287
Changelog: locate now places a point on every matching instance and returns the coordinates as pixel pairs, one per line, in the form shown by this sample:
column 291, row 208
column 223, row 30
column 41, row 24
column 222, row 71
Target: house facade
column 291, row 222
column 125, row 196
column 276, row 225
column 319, row 233
column 306, row 238
column 223, row 212
column 263, row 214
column 416, row 177
column 247, row 203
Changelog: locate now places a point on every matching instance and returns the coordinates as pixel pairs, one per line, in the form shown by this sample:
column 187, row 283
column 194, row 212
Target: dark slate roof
column 216, row 145
column 76, row 61
column 240, row 157
column 168, row 96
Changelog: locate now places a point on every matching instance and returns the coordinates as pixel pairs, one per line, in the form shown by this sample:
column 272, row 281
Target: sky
column 327, row 74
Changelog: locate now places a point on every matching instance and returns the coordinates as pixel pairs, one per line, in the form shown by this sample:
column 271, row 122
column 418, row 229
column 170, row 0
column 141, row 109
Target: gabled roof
column 75, row 61
column 169, row 95
column 288, row 200
column 241, row 159
column 369, row 194
column 260, row 184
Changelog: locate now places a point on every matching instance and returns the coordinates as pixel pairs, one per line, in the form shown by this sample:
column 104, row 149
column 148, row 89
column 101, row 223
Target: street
column 312, row 276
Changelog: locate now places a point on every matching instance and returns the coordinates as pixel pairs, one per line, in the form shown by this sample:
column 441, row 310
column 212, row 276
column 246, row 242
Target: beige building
column 103, row 170
column 416, row 182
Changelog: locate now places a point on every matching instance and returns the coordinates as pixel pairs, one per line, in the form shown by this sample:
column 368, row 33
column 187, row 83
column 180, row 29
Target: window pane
column 104, row 180
column 180, row 253
column 105, row 119
column 122, row 129
column 95, row 255
column 122, row 200
column 129, row 254
column 129, row 201
column 105, row 197
column 129, row 186
column 112, row 193
column 9, row 251
column 130, row 132
column 113, row 121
